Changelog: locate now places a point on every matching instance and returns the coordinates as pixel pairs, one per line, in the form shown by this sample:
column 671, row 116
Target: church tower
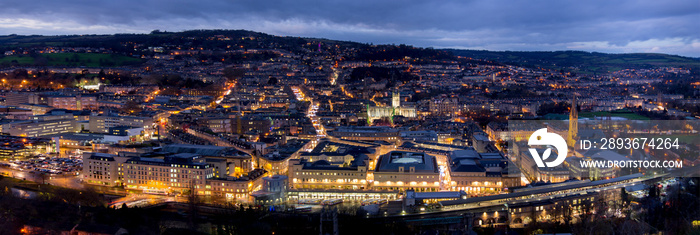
column 396, row 99
column 573, row 123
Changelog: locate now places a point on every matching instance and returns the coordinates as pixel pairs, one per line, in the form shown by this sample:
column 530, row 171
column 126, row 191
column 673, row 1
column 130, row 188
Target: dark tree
column 232, row 73
column 272, row 81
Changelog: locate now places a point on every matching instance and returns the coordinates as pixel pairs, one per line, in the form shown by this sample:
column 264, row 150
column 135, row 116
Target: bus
column 330, row 202
column 156, row 191
column 303, row 209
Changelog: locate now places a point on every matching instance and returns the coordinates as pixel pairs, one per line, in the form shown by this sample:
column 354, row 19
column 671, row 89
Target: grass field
column 20, row 60
column 628, row 115
column 72, row 59
column 583, row 62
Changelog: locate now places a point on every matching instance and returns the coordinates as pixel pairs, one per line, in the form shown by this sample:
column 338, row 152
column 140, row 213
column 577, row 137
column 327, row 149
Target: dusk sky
column 671, row 26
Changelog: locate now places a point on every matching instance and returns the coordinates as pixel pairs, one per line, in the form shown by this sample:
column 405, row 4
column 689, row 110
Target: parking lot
column 49, row 165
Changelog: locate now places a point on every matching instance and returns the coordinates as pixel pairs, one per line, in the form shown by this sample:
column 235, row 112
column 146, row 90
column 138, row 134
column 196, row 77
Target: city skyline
column 179, row 117
column 621, row 27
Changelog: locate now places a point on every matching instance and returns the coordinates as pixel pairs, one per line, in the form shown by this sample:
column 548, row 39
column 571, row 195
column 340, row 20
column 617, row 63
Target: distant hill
column 212, row 42
column 581, row 61
column 70, row 59
column 128, row 42
column 135, row 46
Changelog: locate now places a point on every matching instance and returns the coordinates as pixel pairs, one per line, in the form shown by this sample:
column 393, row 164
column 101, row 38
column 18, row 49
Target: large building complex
column 323, row 175
column 399, row 171
column 103, row 123
column 387, row 134
column 169, row 173
column 56, row 122
column 177, row 172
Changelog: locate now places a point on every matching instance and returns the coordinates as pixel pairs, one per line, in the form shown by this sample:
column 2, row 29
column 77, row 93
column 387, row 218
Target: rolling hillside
column 580, row 61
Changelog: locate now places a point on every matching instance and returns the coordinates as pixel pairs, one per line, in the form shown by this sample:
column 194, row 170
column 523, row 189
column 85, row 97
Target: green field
column 71, row 59
column 20, row 60
column 582, row 62
column 628, row 115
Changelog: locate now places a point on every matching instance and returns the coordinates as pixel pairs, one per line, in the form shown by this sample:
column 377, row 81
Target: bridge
column 495, row 209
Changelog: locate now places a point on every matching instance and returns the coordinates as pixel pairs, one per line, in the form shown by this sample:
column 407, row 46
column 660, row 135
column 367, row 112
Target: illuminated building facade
column 444, row 105
column 43, row 125
column 17, row 148
column 103, row 169
column 177, row 172
column 323, row 175
column 372, row 133
column 102, row 123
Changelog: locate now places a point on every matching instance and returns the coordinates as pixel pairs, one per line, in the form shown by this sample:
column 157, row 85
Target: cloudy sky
column 620, row 26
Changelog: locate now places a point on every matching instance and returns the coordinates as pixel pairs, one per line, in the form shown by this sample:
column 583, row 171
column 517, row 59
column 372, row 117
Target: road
column 311, row 113
column 141, row 200
column 74, row 182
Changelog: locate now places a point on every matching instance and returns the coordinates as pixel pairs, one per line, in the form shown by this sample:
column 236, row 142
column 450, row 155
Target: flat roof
column 80, row 136
column 552, row 185
column 437, row 195
column 421, row 162
column 204, row 150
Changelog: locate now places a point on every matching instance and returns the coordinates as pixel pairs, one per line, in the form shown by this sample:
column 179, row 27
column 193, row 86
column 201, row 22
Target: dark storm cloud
column 613, row 26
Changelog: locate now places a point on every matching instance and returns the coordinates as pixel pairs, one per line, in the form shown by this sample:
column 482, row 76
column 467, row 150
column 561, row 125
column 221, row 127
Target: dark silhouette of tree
column 272, row 81
column 553, row 107
column 193, row 202
column 132, row 107
column 232, row 73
